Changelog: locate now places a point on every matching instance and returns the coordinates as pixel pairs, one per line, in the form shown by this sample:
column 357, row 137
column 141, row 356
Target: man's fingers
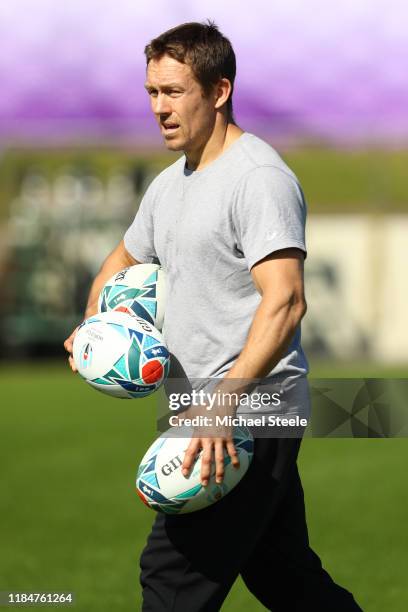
column 208, row 456
column 72, row 364
column 219, row 461
column 233, row 453
column 69, row 346
column 190, row 455
column 69, row 342
column 206, row 461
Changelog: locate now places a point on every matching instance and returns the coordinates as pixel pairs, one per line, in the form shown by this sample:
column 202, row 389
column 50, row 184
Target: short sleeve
column 269, row 213
column 139, row 237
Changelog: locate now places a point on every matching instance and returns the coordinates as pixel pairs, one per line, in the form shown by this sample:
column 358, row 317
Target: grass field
column 70, row 519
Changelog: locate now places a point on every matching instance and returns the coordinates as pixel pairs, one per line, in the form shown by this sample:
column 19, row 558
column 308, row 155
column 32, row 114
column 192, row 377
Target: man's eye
column 175, row 92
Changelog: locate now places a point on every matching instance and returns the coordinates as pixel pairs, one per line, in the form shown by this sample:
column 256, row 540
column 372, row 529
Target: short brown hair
column 203, row 47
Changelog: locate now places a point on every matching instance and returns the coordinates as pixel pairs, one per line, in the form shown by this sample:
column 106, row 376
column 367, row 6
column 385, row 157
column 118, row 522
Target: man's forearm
column 116, row 261
column 271, row 332
column 96, row 288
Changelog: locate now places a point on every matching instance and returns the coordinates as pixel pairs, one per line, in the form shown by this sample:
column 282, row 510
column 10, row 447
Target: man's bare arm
column 279, row 280
column 118, row 259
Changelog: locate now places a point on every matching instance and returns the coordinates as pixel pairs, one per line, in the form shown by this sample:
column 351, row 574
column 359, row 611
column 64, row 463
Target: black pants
column 258, row 530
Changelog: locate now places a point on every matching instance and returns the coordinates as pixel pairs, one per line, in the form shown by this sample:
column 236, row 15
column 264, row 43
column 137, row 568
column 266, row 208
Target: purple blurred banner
column 314, row 70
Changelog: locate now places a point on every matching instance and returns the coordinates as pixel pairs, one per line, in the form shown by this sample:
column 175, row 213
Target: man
column 226, row 221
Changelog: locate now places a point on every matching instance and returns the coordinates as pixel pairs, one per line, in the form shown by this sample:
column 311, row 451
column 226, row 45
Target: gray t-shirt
column 207, row 228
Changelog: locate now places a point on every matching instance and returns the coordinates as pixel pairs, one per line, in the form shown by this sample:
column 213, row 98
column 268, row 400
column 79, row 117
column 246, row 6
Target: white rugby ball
column 121, row 355
column 161, row 485
column 138, row 290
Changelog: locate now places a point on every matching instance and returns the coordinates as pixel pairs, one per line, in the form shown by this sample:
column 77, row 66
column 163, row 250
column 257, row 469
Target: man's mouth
column 169, row 128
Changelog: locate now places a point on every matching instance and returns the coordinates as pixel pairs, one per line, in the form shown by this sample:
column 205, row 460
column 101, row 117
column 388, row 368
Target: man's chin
column 173, row 144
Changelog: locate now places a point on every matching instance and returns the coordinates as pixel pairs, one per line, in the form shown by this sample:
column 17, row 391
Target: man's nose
column 161, row 105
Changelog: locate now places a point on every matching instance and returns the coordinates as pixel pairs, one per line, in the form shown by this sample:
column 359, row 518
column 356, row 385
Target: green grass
column 356, row 369
column 70, row 518
column 350, row 181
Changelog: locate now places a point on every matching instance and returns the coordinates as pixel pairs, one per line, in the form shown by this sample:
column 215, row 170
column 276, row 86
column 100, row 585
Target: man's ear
column 222, row 91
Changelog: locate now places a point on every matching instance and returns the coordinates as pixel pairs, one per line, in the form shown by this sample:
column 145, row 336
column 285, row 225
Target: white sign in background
column 357, row 287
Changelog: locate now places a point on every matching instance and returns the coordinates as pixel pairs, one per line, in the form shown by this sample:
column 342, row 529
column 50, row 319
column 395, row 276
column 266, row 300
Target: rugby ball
column 161, row 485
column 121, row 355
column 138, row 290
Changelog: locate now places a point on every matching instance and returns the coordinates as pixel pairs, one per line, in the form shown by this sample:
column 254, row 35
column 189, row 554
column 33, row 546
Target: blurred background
column 325, row 85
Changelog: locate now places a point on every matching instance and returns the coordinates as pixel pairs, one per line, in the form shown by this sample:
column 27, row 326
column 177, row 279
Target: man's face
column 185, row 116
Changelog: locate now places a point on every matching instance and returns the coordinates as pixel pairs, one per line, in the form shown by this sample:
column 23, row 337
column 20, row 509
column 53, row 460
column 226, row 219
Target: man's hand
column 116, row 261
column 212, row 448
column 212, row 440
column 68, row 345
